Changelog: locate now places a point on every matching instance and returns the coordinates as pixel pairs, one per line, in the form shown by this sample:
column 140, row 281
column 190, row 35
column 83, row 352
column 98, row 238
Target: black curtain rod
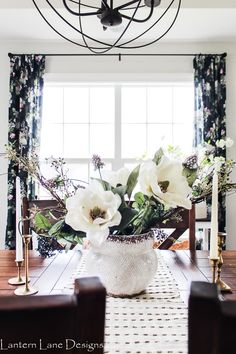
column 119, row 55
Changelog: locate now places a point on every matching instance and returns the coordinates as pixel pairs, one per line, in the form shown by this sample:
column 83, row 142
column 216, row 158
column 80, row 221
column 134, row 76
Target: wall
column 92, row 67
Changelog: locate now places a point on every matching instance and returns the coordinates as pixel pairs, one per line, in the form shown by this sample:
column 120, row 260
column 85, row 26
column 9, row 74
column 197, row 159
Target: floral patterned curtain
column 210, row 98
column 26, row 86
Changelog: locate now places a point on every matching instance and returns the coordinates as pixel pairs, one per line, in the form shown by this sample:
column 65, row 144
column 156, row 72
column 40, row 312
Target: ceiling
column 199, row 20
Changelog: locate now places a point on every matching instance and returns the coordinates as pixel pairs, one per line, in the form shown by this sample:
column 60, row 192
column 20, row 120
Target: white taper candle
column 214, row 218
column 19, row 244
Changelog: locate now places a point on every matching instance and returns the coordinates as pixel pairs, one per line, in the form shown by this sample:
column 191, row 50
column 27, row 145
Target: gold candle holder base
column 213, row 263
column 19, row 280
column 22, row 291
column 26, row 290
column 222, row 285
column 224, row 288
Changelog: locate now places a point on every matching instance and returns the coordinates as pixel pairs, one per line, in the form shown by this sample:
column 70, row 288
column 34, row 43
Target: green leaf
column 56, row 228
column 105, row 184
column 121, row 190
column 139, row 198
column 190, row 174
column 132, row 180
column 127, row 215
column 41, row 223
column 158, row 155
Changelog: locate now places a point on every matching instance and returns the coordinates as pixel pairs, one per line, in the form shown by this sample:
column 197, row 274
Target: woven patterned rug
column 154, row 322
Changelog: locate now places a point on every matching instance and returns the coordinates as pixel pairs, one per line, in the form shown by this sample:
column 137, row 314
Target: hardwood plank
column 68, row 271
column 6, row 293
column 47, row 280
column 33, row 262
column 8, row 254
column 182, row 268
column 11, row 271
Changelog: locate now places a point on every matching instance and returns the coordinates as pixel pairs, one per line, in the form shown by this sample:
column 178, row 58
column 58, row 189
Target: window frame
column 116, row 80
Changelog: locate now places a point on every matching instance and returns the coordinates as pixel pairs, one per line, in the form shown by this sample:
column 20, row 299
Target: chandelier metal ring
column 109, row 16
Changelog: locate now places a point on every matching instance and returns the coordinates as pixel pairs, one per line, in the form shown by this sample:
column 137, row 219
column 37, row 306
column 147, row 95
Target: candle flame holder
column 26, row 290
column 222, row 285
column 19, row 280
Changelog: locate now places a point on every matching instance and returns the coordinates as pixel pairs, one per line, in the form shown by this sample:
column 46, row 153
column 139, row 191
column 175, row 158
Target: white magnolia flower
column 93, row 211
column 165, row 182
column 222, row 143
column 218, row 162
column 116, row 177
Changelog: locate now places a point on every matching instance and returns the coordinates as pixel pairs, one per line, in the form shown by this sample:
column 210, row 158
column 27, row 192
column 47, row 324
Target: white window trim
column 116, row 80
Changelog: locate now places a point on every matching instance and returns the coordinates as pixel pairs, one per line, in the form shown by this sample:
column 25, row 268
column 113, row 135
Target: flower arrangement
column 123, row 202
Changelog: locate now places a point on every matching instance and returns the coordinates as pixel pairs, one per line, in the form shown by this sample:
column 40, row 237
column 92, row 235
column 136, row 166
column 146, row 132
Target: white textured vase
column 125, row 264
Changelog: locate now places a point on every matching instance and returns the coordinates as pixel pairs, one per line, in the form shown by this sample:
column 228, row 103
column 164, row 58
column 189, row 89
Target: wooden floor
column 50, row 275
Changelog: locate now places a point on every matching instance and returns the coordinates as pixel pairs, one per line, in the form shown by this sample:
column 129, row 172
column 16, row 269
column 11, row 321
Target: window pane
column 78, row 171
column 46, row 169
column 133, row 104
column 159, row 135
column 133, row 140
column 102, row 105
column 76, row 140
column 186, row 143
column 159, row 104
column 76, row 105
column 52, row 105
column 48, row 172
column 95, row 174
column 51, row 140
column 183, row 104
column 102, row 140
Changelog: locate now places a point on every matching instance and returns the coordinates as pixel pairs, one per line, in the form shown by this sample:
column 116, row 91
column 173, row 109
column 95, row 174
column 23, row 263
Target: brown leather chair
column 70, row 323
column 187, row 222
column 211, row 322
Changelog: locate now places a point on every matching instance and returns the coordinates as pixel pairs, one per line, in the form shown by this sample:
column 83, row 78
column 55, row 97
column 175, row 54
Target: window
column 120, row 122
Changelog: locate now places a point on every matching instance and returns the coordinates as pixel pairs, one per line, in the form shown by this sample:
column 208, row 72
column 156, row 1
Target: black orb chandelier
column 109, row 15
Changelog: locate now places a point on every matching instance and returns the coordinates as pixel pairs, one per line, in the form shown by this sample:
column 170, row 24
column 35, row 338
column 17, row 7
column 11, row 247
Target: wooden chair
column 40, row 204
column 68, row 321
column 187, row 222
column 211, row 322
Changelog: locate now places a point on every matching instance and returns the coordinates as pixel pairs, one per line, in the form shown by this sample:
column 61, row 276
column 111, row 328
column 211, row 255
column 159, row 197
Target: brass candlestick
column 26, row 290
column 19, row 280
column 214, row 266
column 222, row 285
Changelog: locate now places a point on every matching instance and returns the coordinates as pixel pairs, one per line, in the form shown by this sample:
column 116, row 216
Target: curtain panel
column 25, row 108
column 210, row 106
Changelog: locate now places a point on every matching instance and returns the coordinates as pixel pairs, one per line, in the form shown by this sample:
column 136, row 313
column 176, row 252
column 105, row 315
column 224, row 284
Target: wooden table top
column 50, row 275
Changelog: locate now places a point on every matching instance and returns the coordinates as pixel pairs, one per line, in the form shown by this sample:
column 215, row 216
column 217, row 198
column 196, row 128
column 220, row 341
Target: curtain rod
column 119, row 55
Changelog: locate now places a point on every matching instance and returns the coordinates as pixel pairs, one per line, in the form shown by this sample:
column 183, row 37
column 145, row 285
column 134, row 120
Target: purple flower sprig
column 97, row 162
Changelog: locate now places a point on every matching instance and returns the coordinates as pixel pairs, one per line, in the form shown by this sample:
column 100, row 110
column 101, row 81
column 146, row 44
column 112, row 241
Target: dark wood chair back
column 70, row 323
column 41, row 204
column 211, row 322
column 187, row 222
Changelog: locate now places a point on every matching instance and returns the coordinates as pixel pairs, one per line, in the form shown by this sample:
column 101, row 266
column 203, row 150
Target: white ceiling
column 199, row 20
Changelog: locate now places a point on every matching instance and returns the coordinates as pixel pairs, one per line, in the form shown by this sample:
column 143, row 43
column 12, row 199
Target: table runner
column 153, row 322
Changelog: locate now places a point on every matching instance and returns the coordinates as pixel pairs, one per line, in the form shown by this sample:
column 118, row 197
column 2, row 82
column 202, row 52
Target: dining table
column 50, row 275
column 158, row 318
